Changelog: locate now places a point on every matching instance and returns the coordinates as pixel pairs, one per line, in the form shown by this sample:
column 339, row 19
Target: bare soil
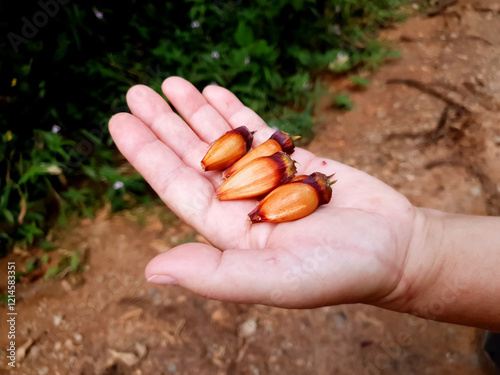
column 428, row 125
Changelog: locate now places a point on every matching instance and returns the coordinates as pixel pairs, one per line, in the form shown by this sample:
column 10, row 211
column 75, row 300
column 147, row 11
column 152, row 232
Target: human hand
column 354, row 249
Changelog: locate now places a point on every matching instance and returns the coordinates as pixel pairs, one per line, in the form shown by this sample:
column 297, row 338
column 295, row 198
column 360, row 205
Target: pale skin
column 368, row 245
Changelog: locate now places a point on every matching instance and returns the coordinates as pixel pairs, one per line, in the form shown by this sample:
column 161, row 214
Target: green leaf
column 46, row 245
column 243, row 34
column 343, row 102
column 51, row 271
column 62, row 46
column 74, row 261
column 297, row 4
column 29, row 231
column 31, row 264
column 8, row 216
column 360, row 81
column 32, row 173
column 4, row 299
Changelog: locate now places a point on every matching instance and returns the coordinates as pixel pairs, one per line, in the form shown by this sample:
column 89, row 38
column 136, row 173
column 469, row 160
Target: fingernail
column 162, row 279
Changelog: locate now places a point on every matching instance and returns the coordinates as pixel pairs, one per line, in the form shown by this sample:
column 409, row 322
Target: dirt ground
column 428, row 125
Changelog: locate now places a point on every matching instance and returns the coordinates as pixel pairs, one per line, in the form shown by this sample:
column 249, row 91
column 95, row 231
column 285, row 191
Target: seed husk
column 228, row 149
column 258, row 177
column 279, row 141
column 294, row 200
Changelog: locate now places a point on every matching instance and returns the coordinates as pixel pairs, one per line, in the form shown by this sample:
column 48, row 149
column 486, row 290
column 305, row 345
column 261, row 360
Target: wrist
column 450, row 272
column 422, row 265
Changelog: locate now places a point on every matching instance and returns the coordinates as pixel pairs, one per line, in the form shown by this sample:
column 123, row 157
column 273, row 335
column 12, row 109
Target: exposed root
column 459, row 125
column 444, row 96
column 441, row 7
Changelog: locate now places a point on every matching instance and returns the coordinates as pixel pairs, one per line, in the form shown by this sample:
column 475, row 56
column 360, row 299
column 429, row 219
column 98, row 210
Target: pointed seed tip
column 330, row 183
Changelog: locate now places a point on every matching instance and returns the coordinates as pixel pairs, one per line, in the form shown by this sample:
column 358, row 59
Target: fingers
column 184, row 189
column 245, row 276
column 236, row 113
column 205, row 121
column 153, row 110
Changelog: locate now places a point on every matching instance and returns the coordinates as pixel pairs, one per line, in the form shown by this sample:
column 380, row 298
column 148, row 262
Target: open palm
column 351, row 250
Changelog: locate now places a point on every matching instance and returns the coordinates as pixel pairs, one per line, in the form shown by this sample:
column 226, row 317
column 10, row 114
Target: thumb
column 245, row 276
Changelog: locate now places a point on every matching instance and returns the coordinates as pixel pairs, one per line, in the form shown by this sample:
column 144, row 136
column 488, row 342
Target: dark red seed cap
column 246, row 134
column 321, row 183
column 284, row 140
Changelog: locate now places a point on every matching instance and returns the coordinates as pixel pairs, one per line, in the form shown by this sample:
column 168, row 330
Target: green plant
column 67, row 264
column 343, row 101
column 360, row 81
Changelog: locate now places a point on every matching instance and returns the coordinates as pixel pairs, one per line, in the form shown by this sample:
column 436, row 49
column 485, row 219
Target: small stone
column 66, row 286
column 247, row 328
column 68, row 344
column 381, row 113
column 475, row 191
column 129, row 359
column 222, row 318
column 496, row 139
column 141, row 350
column 58, row 320
column 154, row 224
column 57, row 346
column 78, row 338
column 160, row 246
column 340, row 320
column 300, row 362
column 43, row 371
column 23, row 349
column 172, row 367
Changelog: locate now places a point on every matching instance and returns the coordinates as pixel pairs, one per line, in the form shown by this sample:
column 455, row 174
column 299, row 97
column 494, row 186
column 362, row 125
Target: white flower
column 56, row 129
column 53, row 169
column 118, row 185
column 340, row 61
column 98, row 13
column 342, row 57
column 306, row 86
column 215, row 55
column 336, row 29
column 195, row 24
column 246, row 61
